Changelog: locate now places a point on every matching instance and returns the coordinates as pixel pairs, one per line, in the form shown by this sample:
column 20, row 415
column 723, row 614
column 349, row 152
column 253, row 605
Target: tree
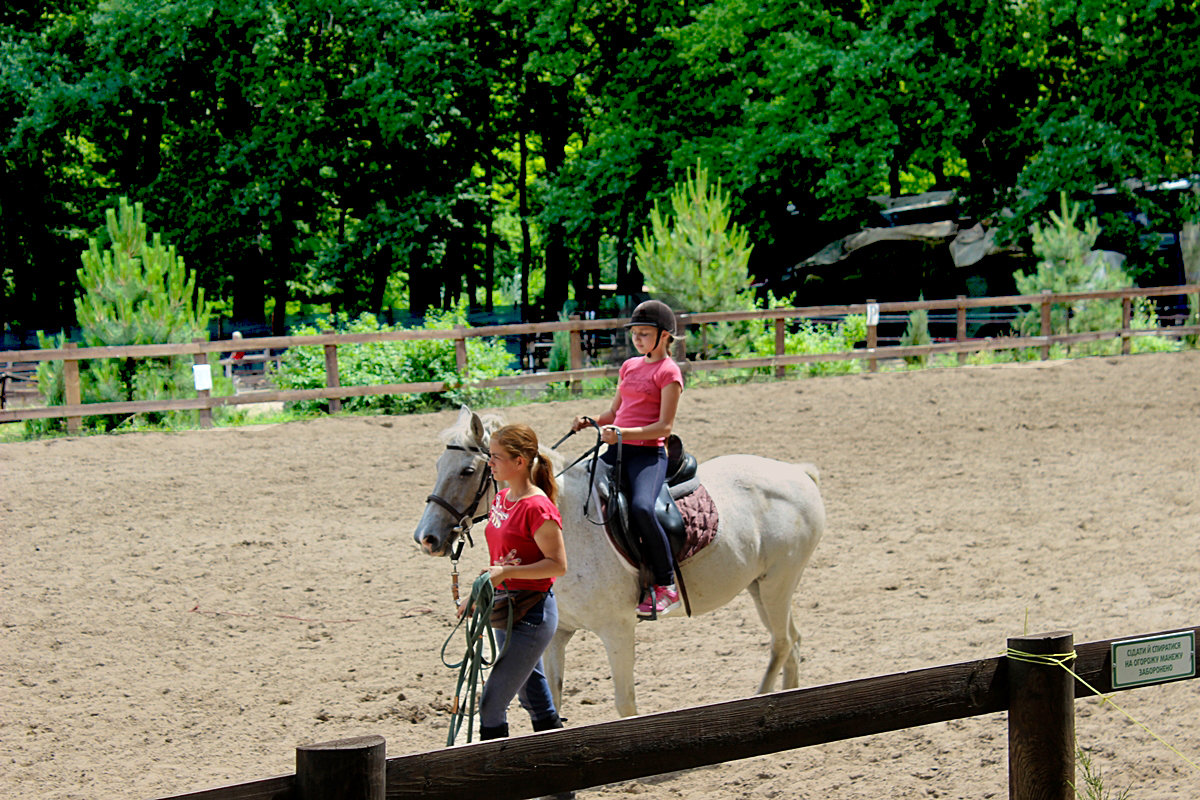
column 697, row 259
column 1067, row 263
column 136, row 291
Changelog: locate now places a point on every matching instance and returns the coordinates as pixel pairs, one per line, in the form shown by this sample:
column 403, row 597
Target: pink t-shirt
column 641, row 384
column 511, row 527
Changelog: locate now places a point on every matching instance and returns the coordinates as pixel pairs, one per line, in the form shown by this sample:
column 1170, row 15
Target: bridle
column 464, row 518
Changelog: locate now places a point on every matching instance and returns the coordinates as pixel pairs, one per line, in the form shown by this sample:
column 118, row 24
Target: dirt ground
column 179, row 611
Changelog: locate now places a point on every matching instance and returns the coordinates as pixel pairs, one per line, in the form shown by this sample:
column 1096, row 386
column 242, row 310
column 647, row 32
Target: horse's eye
column 467, row 472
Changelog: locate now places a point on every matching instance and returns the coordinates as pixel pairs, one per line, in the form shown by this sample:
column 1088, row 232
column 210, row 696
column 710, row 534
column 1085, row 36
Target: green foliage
column 699, row 261
column 697, row 257
column 592, row 387
column 1067, row 264
column 559, row 359
column 1093, row 787
column 366, row 152
column 812, row 338
column 407, row 361
column 916, row 333
column 135, row 291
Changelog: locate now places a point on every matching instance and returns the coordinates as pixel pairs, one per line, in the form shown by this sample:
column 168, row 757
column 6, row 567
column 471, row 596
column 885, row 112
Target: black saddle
column 681, row 471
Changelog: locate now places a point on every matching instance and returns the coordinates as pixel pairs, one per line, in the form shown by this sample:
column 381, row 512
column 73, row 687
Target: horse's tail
column 811, row 471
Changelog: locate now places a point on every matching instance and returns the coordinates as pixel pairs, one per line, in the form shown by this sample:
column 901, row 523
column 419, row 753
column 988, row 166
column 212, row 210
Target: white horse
column 771, row 518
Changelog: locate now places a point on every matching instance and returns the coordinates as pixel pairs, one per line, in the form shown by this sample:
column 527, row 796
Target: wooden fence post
column 1126, row 321
column 1046, row 329
column 332, row 376
column 460, row 352
column 1041, row 719
column 872, row 340
column 347, row 769
column 960, row 318
column 71, row 393
column 680, row 343
column 576, row 354
column 780, row 344
column 201, row 359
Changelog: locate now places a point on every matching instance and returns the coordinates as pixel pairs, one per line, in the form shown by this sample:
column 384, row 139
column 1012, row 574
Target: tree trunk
column 526, row 245
column 555, row 129
column 1189, row 247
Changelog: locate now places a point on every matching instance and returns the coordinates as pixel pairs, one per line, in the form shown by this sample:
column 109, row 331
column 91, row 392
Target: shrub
column 1068, row 264
column 408, row 361
column 916, row 334
column 813, row 338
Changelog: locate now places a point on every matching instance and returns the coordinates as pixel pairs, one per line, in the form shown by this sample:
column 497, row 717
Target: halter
column 463, row 517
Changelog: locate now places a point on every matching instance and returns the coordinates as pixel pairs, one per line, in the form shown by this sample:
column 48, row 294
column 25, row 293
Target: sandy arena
column 179, row 611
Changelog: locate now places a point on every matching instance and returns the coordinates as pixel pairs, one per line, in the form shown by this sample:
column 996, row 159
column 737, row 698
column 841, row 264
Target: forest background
column 365, row 155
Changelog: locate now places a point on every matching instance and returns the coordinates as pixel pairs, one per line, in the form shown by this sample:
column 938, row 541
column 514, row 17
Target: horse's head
column 464, row 486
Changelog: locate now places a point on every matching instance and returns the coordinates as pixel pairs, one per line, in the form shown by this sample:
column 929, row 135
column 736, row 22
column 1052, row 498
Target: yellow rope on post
column 1062, row 659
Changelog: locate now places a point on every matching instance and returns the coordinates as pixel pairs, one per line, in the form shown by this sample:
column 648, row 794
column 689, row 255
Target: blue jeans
column 643, row 472
column 518, row 672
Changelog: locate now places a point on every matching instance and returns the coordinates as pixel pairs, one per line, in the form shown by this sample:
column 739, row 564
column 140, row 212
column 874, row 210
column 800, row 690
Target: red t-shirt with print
column 511, row 527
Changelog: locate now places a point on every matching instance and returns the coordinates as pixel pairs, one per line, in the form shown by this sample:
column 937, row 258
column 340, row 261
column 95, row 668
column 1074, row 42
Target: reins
column 594, row 452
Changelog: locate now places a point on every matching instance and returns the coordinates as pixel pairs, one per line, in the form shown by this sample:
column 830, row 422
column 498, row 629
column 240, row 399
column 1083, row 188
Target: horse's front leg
column 554, row 660
column 618, row 638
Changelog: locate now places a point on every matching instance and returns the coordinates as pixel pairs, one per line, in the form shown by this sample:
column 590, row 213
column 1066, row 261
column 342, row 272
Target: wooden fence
column 1038, row 694
column 334, row 392
column 18, row 381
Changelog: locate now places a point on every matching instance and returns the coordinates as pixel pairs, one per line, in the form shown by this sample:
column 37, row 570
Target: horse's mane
column 460, row 434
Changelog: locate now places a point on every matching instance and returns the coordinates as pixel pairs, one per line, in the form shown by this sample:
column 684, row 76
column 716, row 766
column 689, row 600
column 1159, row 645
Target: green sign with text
column 1156, row 658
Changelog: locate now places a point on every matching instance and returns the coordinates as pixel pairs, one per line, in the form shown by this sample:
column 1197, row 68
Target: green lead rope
column 477, row 625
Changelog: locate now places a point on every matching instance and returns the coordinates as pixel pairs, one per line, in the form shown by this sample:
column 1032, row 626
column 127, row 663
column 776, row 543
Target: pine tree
column 697, row 260
column 136, row 291
column 697, row 257
column 1066, row 264
column 917, row 333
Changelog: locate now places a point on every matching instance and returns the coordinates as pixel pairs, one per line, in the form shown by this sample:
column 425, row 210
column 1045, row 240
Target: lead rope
column 477, row 622
column 454, row 572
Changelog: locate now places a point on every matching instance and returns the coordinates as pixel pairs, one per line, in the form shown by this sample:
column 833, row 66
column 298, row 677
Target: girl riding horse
column 638, row 423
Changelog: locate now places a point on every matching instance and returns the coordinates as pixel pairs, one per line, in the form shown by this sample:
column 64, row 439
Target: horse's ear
column 464, row 414
column 477, row 430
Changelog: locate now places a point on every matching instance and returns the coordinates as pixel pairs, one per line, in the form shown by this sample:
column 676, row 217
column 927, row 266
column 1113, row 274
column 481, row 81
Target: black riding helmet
column 654, row 313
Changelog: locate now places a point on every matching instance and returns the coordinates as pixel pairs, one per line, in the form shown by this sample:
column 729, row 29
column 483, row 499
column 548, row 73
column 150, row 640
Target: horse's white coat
column 771, row 518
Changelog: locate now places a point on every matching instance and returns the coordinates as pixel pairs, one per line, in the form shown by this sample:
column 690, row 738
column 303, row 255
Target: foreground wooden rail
column 334, row 392
column 1039, row 697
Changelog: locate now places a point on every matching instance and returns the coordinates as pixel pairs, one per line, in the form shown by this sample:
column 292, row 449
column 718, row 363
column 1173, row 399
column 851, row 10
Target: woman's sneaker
column 660, row 600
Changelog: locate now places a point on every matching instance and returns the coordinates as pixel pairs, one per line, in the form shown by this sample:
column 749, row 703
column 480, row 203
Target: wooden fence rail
column 334, row 392
column 1039, row 697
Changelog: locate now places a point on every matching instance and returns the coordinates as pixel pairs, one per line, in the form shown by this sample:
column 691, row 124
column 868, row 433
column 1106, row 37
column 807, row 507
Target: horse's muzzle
column 432, row 546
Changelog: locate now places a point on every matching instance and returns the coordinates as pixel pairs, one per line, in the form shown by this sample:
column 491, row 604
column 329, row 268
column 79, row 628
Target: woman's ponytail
column 543, row 478
column 520, row 440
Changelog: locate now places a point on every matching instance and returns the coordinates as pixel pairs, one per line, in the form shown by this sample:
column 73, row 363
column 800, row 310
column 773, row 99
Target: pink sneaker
column 666, row 600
